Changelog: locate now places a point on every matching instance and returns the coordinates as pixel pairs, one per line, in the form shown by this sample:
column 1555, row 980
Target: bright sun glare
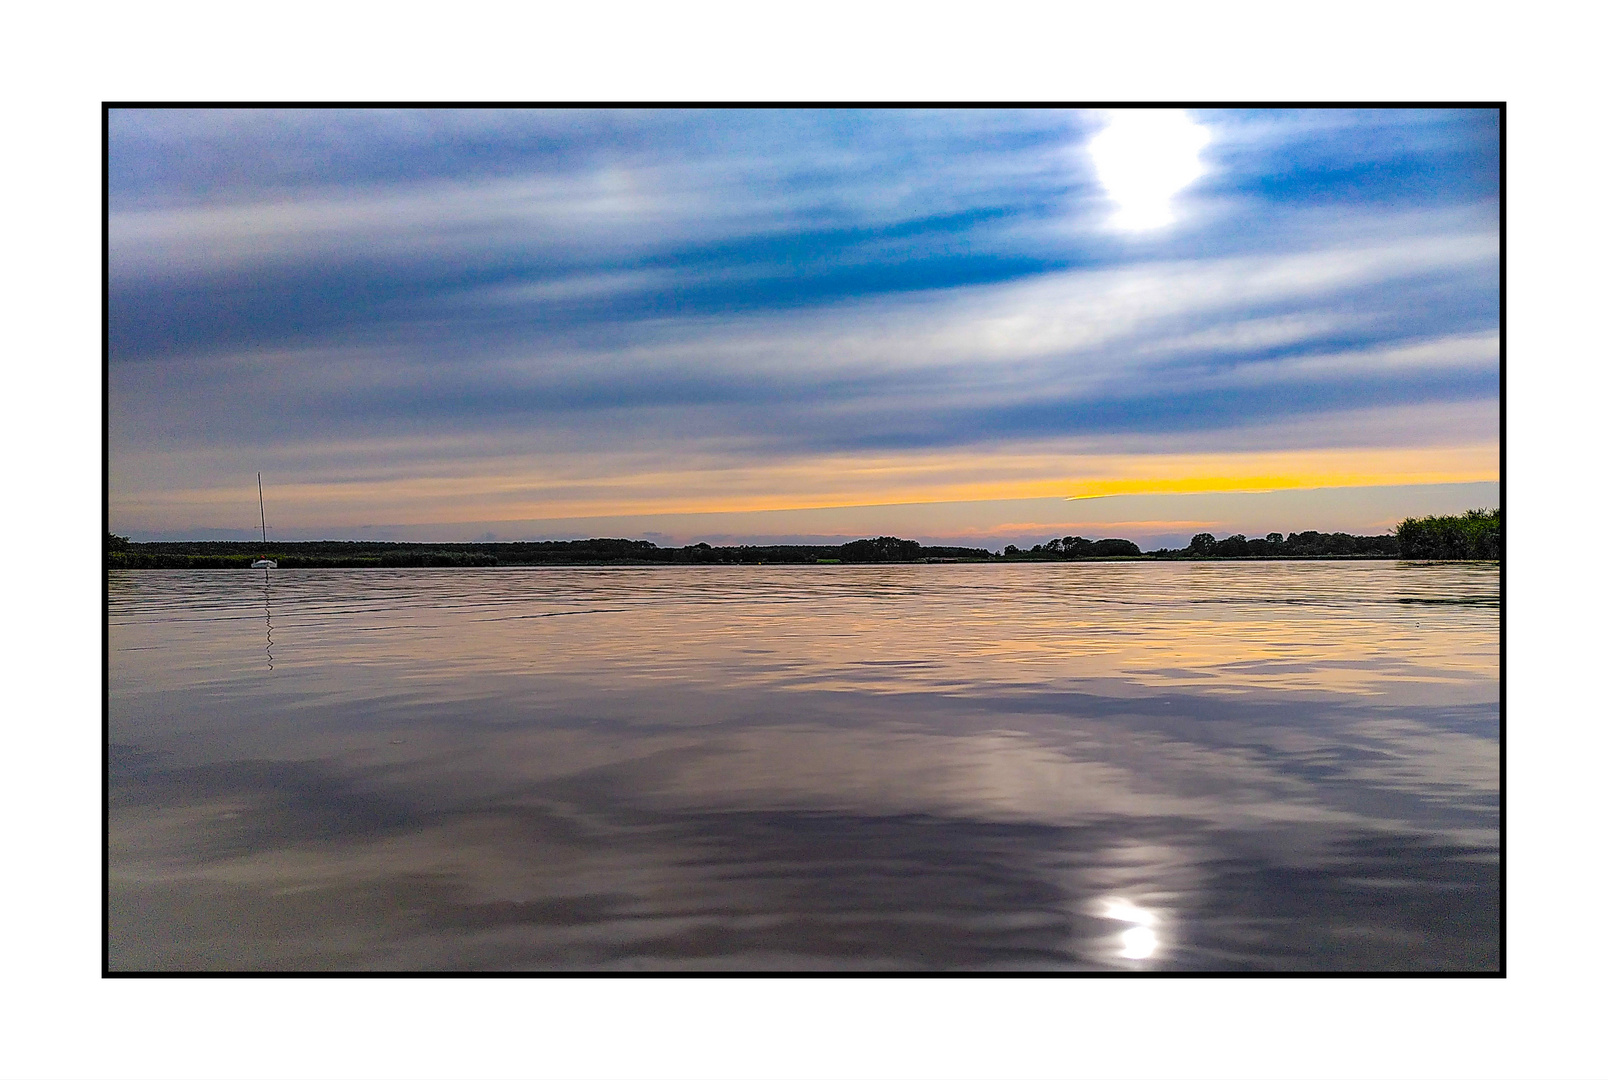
column 1139, row 941
column 1144, row 157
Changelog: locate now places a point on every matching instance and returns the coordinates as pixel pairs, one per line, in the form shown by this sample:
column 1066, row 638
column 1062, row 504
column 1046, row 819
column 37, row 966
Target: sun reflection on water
column 1139, row 941
column 921, row 767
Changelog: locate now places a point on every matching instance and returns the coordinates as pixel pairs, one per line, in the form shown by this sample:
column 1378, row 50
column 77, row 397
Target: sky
column 958, row 326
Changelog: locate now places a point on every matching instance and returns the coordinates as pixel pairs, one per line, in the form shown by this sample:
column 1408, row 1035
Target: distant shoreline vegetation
column 1475, row 535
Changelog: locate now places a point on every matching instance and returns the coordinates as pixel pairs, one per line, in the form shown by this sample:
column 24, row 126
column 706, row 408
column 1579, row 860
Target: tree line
column 1077, row 547
column 221, row 554
column 1309, row 544
column 1476, row 534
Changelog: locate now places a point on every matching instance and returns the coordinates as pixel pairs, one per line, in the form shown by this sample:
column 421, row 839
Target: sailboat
column 263, row 563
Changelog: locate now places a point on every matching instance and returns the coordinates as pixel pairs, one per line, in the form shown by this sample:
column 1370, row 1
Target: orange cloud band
column 514, row 489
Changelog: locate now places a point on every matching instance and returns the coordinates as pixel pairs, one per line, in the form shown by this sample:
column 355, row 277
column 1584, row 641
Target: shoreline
column 316, row 564
column 1474, row 537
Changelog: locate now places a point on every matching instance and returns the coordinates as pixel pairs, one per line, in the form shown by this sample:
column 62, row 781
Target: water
column 1096, row 767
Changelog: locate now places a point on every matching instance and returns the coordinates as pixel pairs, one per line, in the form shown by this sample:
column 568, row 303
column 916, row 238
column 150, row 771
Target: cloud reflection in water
column 901, row 768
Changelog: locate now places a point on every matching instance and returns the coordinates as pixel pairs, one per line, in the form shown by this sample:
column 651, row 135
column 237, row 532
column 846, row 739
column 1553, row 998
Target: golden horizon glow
column 508, row 493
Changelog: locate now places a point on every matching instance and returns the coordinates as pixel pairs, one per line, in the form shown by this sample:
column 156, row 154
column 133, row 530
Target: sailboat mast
column 260, row 512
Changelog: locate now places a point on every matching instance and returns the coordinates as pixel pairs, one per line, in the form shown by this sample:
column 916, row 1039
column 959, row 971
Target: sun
column 1145, row 157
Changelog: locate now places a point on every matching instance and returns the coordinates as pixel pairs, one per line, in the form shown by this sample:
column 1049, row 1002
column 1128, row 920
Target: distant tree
column 1476, row 534
column 1275, row 538
column 1012, row 549
column 1111, row 547
column 116, row 543
column 1077, row 547
column 882, row 549
column 1202, row 544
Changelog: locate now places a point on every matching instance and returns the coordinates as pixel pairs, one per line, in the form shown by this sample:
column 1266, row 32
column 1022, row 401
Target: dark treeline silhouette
column 1076, row 547
column 1303, row 545
column 1474, row 535
column 220, row 554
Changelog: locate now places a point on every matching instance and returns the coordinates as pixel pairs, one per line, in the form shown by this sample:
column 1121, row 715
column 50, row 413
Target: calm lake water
column 1100, row 767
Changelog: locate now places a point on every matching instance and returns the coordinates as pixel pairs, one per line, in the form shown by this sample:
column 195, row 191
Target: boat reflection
column 268, row 617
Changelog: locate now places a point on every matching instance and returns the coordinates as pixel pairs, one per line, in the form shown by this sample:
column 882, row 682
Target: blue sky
column 788, row 324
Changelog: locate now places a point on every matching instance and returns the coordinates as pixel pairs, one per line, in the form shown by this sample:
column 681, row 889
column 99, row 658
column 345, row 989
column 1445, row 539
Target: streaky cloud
column 494, row 306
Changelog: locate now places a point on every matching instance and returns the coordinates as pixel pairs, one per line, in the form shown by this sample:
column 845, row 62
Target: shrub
column 1476, row 534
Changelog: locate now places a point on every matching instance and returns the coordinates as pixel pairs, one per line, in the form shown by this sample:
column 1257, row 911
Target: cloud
column 1057, row 353
column 556, row 314
column 703, row 180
